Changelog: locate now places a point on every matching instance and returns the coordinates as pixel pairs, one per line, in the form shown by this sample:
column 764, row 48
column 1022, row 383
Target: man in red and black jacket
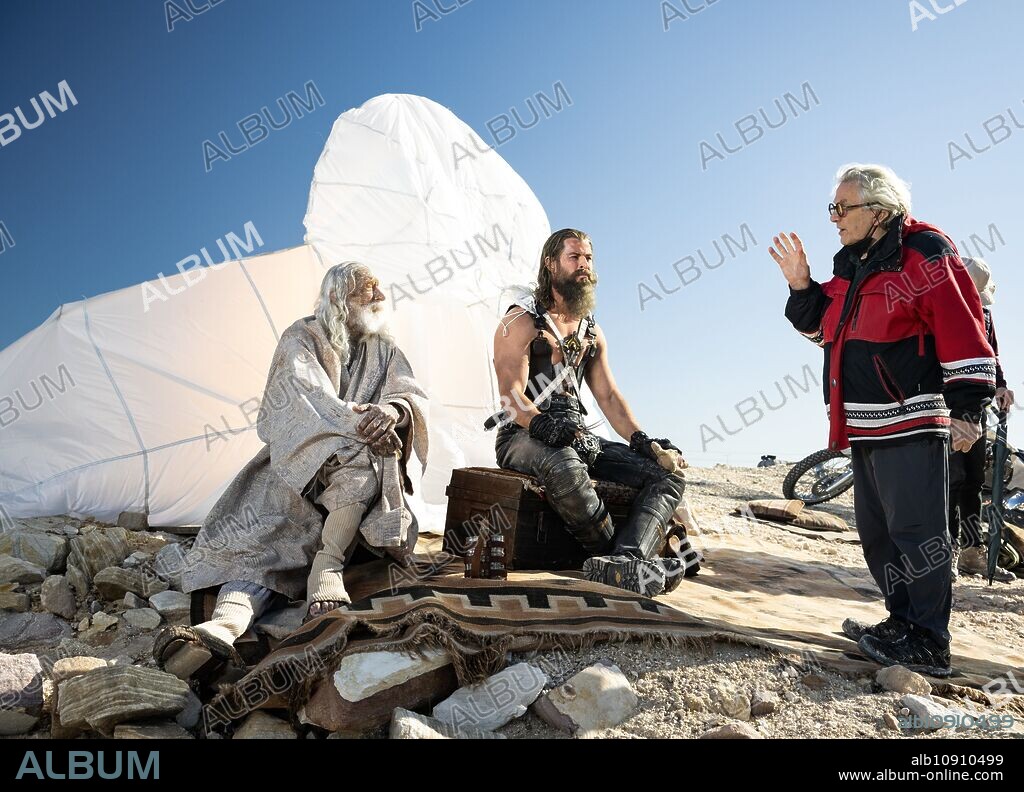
column 907, row 368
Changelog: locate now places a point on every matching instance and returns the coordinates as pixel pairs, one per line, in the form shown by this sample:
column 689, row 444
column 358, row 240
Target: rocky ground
column 81, row 604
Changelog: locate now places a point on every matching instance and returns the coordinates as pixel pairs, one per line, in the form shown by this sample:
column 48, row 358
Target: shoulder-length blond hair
column 553, row 250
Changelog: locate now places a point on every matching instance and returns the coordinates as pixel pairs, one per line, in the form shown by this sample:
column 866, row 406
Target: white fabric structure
column 109, row 407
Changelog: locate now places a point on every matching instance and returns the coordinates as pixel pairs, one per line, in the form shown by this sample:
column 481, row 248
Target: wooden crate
column 481, row 499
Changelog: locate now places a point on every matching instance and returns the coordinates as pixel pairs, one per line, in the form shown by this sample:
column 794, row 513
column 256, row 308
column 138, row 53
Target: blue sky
column 114, row 190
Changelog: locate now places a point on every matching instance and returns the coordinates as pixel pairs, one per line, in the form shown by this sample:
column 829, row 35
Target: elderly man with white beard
column 341, row 415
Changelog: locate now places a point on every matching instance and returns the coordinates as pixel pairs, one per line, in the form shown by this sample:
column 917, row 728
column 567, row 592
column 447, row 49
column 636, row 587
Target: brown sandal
column 173, row 640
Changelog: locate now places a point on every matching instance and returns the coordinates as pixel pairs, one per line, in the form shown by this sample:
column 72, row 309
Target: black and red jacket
column 904, row 338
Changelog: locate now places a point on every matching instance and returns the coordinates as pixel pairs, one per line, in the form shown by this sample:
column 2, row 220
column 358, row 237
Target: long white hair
column 332, row 308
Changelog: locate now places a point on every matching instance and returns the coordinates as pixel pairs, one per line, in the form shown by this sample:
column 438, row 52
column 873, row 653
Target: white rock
column 902, row 680
column 927, row 709
column 406, row 725
column 361, row 675
column 21, row 677
column 598, row 697
column 490, row 704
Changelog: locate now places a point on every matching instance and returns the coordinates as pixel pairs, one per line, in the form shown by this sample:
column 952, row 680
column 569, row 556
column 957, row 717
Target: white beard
column 368, row 320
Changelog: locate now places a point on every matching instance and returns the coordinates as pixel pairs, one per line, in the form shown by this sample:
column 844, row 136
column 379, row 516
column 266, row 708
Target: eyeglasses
column 839, row 210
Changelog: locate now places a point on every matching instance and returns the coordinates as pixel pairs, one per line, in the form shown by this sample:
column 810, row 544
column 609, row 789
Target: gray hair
column 878, row 185
column 332, row 308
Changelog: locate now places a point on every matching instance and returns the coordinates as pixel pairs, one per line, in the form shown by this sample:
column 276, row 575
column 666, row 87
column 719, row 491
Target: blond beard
column 578, row 298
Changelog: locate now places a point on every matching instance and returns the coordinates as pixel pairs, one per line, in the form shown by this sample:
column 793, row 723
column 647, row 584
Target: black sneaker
column 915, row 650
column 633, row 574
column 888, row 628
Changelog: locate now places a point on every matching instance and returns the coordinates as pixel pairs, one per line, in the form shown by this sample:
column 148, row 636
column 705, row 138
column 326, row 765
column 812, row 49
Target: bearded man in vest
column 546, row 346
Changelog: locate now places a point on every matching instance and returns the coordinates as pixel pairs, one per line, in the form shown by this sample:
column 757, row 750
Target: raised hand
column 788, row 252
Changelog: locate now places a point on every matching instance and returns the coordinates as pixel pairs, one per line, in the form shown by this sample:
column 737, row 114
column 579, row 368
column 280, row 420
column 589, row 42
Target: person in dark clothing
column 967, row 468
column 545, row 348
column 907, row 365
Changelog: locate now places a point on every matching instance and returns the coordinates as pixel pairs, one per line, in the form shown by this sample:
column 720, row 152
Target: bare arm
column 611, row 401
column 512, row 366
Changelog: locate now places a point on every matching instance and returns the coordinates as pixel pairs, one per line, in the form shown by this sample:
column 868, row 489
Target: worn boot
column 626, row 572
column 974, row 561
column 595, row 535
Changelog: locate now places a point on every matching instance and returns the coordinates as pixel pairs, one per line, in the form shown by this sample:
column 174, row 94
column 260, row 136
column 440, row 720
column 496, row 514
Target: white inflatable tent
column 122, row 403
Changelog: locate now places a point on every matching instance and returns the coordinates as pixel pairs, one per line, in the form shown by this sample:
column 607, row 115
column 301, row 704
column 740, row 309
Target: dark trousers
column 566, row 481
column 966, row 478
column 900, row 499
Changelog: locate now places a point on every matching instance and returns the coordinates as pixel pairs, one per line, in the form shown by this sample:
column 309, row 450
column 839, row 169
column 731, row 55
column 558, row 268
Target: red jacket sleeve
column 951, row 310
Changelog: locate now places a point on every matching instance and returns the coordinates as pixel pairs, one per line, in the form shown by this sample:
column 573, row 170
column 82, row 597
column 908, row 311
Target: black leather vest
column 542, row 370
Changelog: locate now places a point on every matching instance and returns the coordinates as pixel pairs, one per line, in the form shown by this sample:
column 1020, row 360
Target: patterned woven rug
column 476, row 621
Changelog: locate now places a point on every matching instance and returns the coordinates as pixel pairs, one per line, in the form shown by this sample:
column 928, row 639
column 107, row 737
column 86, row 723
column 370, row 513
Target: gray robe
column 265, row 527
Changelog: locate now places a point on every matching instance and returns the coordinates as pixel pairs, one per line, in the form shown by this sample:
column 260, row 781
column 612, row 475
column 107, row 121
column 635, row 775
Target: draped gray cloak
column 265, row 528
